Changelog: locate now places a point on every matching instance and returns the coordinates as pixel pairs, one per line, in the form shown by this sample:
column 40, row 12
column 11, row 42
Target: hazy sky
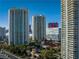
column 49, row 8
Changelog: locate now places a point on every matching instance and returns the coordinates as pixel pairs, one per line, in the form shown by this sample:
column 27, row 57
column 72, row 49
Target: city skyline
column 30, row 29
column 49, row 8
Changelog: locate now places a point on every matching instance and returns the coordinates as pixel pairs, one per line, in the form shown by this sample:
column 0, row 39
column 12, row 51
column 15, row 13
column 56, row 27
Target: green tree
column 49, row 53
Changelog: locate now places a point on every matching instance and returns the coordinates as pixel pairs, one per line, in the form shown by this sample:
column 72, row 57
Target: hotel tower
column 18, row 26
column 70, row 29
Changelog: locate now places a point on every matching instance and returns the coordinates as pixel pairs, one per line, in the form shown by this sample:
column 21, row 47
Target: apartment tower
column 70, row 29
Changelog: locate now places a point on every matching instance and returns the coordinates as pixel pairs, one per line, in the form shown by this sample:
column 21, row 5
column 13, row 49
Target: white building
column 52, row 34
column 18, row 26
column 39, row 28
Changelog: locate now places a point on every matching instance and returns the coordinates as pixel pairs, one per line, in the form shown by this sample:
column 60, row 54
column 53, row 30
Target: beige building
column 70, row 29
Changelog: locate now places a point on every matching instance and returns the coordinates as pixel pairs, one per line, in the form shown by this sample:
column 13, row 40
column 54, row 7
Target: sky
column 49, row 8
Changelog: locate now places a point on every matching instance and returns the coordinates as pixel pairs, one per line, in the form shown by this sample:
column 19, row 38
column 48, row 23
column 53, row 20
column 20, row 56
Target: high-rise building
column 52, row 31
column 30, row 30
column 18, row 26
column 2, row 33
column 59, row 35
column 39, row 28
column 70, row 29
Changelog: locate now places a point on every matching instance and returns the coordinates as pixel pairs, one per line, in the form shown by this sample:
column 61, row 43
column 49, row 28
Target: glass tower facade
column 70, row 29
column 39, row 28
column 18, row 26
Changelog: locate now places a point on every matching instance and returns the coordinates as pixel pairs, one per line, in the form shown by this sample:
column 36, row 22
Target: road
column 7, row 55
column 3, row 56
